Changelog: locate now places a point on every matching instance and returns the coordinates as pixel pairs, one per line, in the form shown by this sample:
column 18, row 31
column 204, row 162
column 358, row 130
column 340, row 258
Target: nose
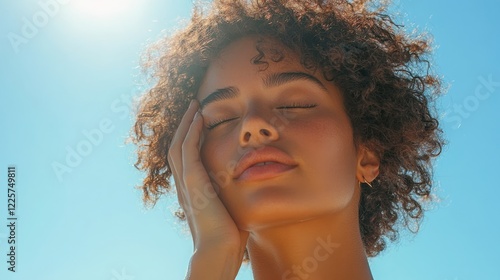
column 256, row 130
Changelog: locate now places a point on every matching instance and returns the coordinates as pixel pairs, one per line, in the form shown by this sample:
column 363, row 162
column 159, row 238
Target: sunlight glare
column 103, row 8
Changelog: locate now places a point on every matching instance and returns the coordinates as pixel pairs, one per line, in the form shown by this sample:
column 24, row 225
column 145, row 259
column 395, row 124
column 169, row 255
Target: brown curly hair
column 383, row 73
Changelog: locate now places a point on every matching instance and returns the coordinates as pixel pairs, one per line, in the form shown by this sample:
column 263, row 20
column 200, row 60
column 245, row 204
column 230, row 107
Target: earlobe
column 368, row 165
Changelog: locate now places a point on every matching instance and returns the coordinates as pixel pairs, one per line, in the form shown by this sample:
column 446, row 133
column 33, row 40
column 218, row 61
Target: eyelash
column 218, row 122
column 213, row 124
column 296, row 105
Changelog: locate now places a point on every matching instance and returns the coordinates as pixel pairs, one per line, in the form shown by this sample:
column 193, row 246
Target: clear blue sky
column 72, row 78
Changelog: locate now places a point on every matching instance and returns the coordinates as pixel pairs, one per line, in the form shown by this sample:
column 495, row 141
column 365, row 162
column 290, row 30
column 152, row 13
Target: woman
column 297, row 133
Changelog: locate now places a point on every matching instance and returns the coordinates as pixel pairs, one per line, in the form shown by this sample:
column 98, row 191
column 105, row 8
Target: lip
column 280, row 162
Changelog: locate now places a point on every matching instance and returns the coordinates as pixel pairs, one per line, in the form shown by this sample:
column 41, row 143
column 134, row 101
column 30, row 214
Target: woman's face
column 313, row 170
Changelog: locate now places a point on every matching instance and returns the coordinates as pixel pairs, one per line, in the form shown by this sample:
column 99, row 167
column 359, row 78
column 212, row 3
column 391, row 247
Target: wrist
column 217, row 263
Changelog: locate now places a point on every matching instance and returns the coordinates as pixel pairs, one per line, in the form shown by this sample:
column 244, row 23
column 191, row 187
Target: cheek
column 218, row 160
column 328, row 149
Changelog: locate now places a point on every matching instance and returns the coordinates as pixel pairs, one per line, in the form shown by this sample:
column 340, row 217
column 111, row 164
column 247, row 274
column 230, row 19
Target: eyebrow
column 278, row 79
column 220, row 94
column 272, row 80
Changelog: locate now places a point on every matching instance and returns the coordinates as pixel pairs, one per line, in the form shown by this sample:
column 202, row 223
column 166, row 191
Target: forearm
column 215, row 264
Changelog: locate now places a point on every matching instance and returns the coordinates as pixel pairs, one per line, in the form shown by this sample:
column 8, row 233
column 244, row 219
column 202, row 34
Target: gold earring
column 366, row 182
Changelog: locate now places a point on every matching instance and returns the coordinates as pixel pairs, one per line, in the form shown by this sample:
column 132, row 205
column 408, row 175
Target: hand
column 212, row 227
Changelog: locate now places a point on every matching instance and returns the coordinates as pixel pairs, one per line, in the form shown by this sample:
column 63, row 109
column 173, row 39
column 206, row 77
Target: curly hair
column 383, row 73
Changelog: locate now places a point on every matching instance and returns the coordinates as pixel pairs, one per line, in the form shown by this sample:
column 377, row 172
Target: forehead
column 235, row 64
column 247, row 48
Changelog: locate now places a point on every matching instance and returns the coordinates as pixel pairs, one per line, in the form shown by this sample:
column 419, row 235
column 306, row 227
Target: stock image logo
column 31, row 25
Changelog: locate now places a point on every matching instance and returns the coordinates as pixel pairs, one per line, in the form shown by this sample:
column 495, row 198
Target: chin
column 274, row 207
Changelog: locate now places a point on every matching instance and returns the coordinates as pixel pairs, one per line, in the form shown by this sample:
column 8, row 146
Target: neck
column 326, row 247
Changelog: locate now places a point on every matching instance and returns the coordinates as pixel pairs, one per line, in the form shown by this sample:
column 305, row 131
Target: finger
column 177, row 183
column 243, row 241
column 183, row 202
column 194, row 171
column 191, row 145
column 175, row 149
column 179, row 187
column 175, row 152
column 185, row 123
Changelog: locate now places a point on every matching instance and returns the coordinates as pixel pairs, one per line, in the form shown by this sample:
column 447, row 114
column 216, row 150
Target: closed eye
column 215, row 123
column 297, row 106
